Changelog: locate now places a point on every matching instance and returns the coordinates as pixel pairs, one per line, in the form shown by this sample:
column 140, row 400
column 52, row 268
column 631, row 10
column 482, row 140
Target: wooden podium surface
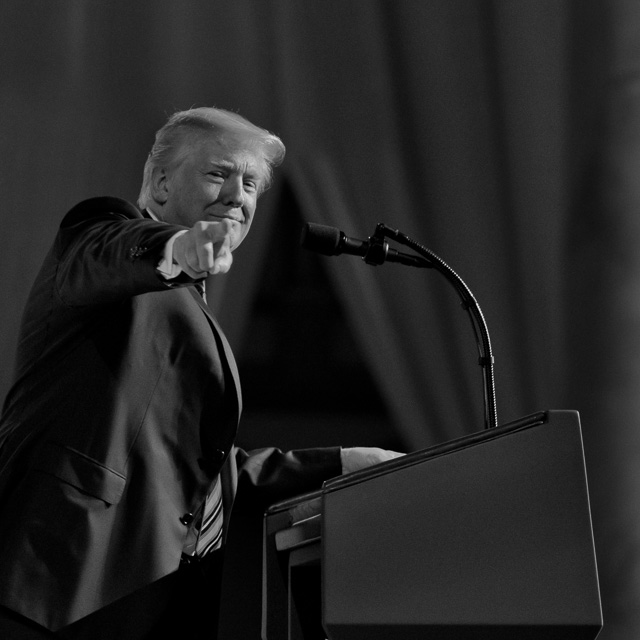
column 485, row 536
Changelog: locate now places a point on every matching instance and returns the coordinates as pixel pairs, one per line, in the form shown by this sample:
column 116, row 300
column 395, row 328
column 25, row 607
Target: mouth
column 226, row 216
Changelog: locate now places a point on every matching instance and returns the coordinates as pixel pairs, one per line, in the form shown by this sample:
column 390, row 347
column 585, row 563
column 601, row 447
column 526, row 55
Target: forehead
column 234, row 155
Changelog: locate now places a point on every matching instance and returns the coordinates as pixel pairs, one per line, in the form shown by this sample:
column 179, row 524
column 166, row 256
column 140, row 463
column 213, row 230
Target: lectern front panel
column 492, row 539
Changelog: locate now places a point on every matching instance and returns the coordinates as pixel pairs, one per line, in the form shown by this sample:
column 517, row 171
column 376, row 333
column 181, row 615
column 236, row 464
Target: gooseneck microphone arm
column 469, row 304
column 376, row 251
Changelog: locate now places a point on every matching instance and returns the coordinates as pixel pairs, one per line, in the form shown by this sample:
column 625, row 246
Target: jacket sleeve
column 103, row 255
column 269, row 475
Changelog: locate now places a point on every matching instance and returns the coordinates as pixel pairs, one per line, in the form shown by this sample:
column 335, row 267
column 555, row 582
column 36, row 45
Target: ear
column 159, row 184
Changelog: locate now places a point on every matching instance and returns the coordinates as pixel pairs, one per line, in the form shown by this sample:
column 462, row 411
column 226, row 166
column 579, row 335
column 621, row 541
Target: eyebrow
column 251, row 170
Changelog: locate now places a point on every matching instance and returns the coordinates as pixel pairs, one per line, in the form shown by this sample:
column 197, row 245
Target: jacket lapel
column 228, row 353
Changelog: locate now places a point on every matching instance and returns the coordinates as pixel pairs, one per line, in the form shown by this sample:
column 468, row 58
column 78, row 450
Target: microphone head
column 320, row 238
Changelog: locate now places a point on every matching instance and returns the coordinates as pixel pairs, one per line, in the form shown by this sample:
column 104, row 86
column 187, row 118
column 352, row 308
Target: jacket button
column 186, row 519
column 219, row 455
column 136, row 252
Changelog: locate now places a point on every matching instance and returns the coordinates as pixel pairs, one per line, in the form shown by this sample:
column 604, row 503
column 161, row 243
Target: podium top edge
column 478, row 437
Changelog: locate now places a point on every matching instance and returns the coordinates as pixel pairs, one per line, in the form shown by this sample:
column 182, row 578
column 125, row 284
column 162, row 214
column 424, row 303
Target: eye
column 250, row 185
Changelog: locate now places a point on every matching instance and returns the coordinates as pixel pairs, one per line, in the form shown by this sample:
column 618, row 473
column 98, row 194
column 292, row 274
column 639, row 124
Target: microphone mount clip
column 378, row 249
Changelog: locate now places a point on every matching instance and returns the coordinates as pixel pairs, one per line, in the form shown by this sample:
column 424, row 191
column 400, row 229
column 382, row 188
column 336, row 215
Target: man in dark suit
column 117, row 457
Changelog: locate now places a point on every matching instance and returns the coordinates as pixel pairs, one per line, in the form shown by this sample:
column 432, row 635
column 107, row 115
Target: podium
column 485, row 536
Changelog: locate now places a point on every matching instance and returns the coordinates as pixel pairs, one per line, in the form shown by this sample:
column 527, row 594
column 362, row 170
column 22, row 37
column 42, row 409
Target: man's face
column 213, row 182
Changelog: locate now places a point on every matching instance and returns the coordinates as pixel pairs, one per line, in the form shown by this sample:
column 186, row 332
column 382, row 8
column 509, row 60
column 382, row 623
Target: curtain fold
column 448, row 124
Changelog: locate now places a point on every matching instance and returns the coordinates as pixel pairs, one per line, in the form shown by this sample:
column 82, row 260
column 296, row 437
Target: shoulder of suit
column 98, row 207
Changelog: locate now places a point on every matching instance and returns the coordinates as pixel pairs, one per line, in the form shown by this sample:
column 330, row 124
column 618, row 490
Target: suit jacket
column 124, row 409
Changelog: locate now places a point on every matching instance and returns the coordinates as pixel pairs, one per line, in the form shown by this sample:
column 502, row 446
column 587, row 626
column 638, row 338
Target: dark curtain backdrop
column 504, row 135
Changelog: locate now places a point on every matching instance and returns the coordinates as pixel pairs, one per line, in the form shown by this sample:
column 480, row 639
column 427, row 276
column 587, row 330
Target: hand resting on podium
column 357, row 458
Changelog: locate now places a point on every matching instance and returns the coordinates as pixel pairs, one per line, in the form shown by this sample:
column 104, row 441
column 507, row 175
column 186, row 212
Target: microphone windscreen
column 320, row 238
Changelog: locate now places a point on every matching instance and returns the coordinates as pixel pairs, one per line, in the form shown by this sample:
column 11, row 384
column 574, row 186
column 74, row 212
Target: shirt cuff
column 167, row 268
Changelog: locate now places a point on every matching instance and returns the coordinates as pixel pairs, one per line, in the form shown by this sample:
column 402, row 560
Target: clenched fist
column 206, row 248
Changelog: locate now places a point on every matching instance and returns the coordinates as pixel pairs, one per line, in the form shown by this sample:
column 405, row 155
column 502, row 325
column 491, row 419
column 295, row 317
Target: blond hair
column 184, row 128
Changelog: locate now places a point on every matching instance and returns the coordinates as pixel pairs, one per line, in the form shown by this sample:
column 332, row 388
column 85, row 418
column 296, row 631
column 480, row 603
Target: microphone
column 330, row 241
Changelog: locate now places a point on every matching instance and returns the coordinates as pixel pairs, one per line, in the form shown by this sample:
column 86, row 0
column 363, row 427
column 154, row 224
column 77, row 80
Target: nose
column 232, row 192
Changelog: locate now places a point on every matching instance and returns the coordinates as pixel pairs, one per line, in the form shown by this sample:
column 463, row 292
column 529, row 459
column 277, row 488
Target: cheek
column 201, row 192
column 239, row 234
column 207, row 192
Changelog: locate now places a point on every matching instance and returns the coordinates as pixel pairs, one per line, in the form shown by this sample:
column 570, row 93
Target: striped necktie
column 210, row 536
column 201, row 289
